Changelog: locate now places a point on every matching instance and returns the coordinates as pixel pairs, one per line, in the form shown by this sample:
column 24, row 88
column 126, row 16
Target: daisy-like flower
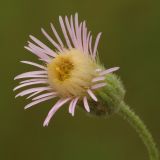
column 70, row 72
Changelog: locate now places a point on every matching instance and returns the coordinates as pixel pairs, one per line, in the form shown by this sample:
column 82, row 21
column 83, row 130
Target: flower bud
column 109, row 97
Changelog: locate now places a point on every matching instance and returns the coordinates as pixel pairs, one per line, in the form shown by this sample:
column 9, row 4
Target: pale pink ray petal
column 38, row 50
column 46, row 48
column 92, row 95
column 32, row 76
column 31, row 73
column 35, row 47
column 98, row 70
column 99, row 85
column 31, row 90
column 74, row 105
column 79, row 36
column 77, row 30
column 33, row 94
column 73, row 38
column 70, row 106
column 76, row 24
column 28, row 84
column 76, row 20
column 108, row 71
column 41, row 55
column 34, row 64
column 38, row 101
column 90, row 45
column 45, row 95
column 86, row 106
column 84, row 37
column 96, row 44
column 54, row 109
column 35, row 72
column 59, row 102
column 73, row 30
column 56, row 35
column 30, row 80
column 33, row 80
column 101, row 78
column 51, row 40
column 88, row 38
column 64, row 32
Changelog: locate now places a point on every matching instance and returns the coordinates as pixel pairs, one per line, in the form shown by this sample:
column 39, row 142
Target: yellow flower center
column 64, row 66
column 71, row 72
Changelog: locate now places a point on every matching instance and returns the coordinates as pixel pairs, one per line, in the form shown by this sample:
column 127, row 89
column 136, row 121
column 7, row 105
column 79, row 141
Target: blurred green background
column 131, row 40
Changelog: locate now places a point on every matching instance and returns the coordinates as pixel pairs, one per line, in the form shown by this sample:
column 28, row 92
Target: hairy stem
column 141, row 129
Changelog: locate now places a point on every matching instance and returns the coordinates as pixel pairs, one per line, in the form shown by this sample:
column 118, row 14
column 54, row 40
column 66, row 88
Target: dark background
column 131, row 40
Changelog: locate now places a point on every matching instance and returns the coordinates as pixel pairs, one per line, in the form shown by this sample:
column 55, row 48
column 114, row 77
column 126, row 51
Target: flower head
column 70, row 72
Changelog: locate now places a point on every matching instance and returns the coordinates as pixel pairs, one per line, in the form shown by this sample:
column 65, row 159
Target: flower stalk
column 112, row 96
column 141, row 129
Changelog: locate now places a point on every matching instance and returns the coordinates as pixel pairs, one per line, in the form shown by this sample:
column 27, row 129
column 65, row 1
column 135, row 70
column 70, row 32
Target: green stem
column 141, row 129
